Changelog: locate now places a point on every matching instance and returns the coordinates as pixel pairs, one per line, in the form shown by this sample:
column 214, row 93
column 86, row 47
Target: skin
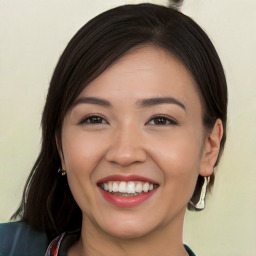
column 128, row 139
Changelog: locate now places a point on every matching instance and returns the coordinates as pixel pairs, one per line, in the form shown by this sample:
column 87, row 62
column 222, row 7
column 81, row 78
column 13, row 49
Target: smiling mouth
column 127, row 189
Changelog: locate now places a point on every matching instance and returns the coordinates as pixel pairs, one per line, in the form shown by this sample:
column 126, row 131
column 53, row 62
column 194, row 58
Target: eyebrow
column 93, row 100
column 156, row 101
column 141, row 103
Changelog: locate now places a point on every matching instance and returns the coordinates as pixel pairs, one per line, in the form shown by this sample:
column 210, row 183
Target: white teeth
column 110, row 186
column 145, row 187
column 122, row 187
column 138, row 187
column 115, row 186
column 127, row 188
column 105, row 186
column 130, row 187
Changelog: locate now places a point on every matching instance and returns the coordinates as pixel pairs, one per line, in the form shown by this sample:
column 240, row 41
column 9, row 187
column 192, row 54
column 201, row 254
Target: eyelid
column 168, row 118
column 171, row 120
column 83, row 120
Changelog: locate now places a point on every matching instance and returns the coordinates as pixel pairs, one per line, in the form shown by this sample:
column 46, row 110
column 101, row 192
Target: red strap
column 54, row 246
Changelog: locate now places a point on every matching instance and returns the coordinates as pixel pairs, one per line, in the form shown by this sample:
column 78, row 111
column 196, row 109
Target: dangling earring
column 62, row 171
column 201, row 203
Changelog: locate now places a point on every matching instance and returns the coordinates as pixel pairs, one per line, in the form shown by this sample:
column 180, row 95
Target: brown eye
column 161, row 120
column 93, row 120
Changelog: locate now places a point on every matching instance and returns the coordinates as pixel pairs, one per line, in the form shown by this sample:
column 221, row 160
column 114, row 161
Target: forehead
column 148, row 71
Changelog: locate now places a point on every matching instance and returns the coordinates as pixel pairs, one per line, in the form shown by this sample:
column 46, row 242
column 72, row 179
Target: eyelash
column 166, row 120
column 90, row 117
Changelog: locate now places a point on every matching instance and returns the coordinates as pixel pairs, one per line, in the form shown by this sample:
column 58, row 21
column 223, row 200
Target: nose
column 126, row 146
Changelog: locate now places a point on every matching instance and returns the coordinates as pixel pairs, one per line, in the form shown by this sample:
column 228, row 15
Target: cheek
column 81, row 157
column 179, row 158
column 81, row 153
column 181, row 167
column 179, row 154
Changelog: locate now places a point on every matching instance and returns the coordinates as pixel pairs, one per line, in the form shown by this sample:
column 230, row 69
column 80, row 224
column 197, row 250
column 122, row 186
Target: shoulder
column 18, row 238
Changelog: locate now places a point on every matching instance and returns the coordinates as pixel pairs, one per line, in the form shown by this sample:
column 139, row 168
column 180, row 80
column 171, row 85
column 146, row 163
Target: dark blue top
column 19, row 239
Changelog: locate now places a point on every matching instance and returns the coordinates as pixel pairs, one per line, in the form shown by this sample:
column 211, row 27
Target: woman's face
column 137, row 127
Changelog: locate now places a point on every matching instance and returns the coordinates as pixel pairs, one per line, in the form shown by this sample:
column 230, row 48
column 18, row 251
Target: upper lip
column 126, row 178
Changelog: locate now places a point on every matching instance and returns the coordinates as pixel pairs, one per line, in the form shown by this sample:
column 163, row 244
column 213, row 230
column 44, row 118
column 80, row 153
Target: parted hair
column 47, row 204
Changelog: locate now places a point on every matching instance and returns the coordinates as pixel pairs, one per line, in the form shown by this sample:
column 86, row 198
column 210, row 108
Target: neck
column 165, row 240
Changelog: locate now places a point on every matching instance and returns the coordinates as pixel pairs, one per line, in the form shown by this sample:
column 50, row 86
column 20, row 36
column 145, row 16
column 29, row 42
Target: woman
column 133, row 126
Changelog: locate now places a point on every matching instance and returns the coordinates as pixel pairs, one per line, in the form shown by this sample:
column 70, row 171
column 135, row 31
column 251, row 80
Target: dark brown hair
column 47, row 203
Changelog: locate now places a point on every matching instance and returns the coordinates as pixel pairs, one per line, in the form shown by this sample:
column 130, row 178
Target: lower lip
column 126, row 201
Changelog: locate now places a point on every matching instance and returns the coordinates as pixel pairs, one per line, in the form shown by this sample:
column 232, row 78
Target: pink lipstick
column 127, row 191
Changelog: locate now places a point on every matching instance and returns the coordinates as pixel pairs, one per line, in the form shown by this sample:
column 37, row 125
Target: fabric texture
column 19, row 239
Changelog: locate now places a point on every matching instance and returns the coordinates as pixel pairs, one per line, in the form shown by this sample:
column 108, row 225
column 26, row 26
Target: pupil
column 160, row 121
column 95, row 119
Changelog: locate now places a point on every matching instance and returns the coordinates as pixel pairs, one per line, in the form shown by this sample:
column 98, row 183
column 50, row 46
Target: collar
column 54, row 247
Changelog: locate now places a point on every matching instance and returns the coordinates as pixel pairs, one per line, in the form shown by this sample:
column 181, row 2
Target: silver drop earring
column 201, row 203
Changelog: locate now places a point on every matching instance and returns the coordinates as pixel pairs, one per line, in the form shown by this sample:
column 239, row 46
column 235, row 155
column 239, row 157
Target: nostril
column 125, row 157
column 127, row 147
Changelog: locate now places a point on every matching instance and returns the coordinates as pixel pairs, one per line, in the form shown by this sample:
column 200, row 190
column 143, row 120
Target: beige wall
column 32, row 36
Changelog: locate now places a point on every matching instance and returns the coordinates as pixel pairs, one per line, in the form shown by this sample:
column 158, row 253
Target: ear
column 60, row 151
column 211, row 149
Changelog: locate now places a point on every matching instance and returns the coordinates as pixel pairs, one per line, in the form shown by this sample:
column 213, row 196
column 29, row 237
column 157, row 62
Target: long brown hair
column 47, row 203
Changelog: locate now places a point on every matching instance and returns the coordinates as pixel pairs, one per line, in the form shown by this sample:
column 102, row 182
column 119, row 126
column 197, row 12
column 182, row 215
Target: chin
column 123, row 227
column 127, row 232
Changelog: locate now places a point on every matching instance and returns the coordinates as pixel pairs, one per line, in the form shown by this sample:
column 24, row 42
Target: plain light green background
column 33, row 34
